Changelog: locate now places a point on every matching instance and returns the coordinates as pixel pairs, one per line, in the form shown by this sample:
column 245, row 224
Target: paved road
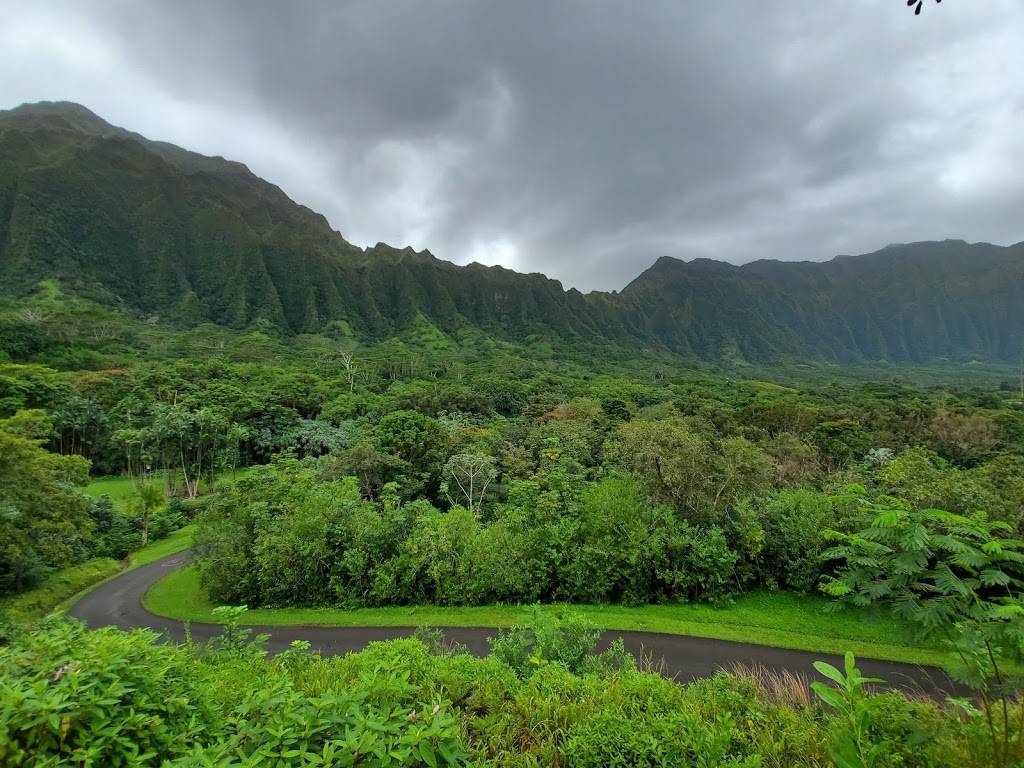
column 119, row 602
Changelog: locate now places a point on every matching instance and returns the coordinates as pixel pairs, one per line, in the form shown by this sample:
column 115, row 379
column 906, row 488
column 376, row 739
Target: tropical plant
column 852, row 745
column 952, row 576
column 569, row 639
column 146, row 499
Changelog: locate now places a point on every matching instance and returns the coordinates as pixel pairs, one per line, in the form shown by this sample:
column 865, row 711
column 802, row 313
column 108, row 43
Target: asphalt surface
column 118, row 602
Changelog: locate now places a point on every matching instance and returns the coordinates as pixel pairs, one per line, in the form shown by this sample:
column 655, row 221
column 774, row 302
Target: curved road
column 119, row 602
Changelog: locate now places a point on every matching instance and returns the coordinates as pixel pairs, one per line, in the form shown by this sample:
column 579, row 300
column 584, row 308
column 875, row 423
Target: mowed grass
column 779, row 619
column 63, row 587
column 168, row 545
column 121, row 488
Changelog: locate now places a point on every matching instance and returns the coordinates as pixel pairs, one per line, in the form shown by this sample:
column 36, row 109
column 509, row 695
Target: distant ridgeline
column 169, row 233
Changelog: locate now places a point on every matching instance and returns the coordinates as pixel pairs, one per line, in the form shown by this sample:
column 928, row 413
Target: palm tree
column 148, row 498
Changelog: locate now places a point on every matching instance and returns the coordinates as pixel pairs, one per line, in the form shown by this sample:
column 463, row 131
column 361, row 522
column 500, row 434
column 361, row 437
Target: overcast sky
column 580, row 139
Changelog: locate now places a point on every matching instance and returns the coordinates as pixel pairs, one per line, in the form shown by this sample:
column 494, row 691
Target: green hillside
column 182, row 239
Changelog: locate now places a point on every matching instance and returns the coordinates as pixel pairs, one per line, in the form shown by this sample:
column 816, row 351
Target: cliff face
column 160, row 230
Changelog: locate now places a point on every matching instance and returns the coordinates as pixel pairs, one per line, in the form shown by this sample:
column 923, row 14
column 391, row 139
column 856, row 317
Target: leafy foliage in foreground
column 109, row 698
column 852, row 743
column 956, row 577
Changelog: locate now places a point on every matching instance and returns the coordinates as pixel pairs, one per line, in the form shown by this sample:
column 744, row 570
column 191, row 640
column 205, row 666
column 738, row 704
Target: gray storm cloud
column 581, row 139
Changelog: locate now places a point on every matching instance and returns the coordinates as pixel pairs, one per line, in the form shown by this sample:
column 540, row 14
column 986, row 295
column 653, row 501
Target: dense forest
column 180, row 238
column 427, row 469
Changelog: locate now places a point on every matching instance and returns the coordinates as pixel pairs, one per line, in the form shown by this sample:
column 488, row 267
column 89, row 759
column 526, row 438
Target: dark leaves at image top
column 917, row 5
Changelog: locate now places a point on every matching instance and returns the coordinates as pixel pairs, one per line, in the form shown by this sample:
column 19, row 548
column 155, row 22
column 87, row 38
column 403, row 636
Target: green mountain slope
column 917, row 302
column 187, row 238
column 184, row 238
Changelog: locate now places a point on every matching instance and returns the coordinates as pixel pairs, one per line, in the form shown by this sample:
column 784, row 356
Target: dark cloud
column 583, row 139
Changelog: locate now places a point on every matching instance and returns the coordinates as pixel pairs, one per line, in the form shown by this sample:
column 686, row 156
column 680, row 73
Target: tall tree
column 44, row 521
column 472, row 473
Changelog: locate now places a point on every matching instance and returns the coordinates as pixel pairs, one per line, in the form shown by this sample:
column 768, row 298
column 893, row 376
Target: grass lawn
column 121, row 488
column 779, row 619
column 65, row 586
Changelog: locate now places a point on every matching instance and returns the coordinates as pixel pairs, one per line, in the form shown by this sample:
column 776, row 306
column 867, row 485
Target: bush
column 162, row 523
column 186, row 510
column 279, row 725
column 674, row 739
column 102, row 698
column 281, row 537
column 116, row 536
column 700, row 565
column 794, row 524
column 882, row 730
column 568, row 639
column 110, row 698
column 276, row 537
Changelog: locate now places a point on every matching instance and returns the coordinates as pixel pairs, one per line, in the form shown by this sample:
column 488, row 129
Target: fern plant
column 953, row 576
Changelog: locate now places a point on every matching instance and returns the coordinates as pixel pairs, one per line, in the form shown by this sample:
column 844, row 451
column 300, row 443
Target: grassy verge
column 36, row 603
column 65, row 586
column 778, row 619
column 168, row 545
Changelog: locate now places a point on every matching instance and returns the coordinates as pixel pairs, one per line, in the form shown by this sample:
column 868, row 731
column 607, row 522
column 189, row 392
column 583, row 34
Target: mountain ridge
column 188, row 238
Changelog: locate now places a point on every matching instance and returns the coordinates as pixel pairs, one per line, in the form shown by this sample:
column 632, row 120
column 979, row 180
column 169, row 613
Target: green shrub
column 794, row 523
column 283, row 536
column 280, row 726
column 777, row 722
column 185, row 510
column 110, row 698
column 569, row 639
column 880, row 731
column 114, row 535
column 101, row 698
column 118, row 534
column 699, row 565
column 674, row 739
